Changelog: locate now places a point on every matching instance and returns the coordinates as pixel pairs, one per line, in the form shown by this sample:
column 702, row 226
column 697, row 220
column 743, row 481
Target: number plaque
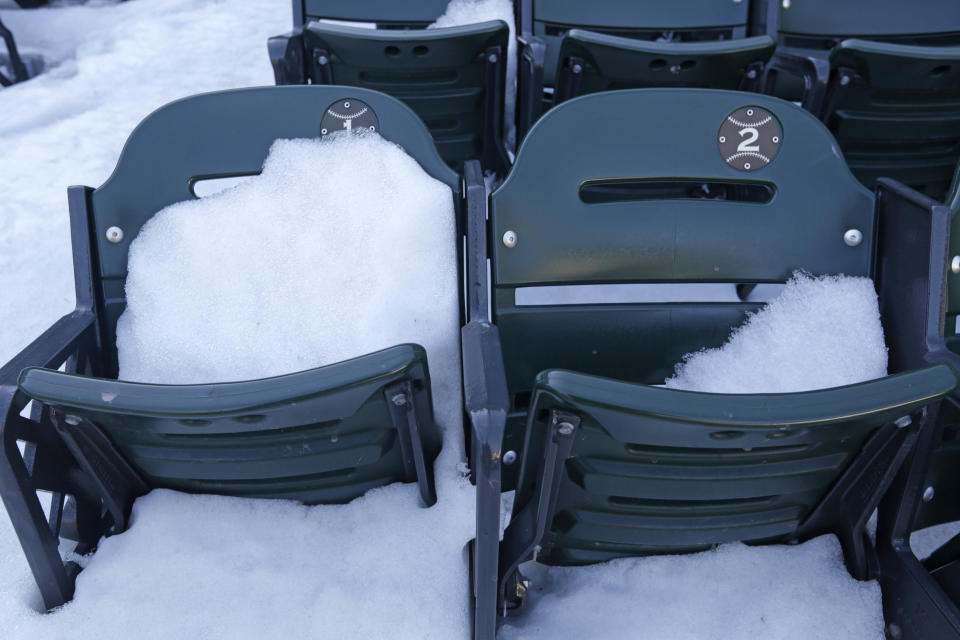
column 749, row 138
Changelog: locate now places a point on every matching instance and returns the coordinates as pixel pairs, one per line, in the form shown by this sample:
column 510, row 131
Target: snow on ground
column 819, row 332
column 109, row 65
column 735, row 591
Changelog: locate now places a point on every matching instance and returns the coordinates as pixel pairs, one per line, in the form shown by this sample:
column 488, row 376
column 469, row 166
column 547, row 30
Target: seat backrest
column 445, row 75
column 819, row 24
column 612, row 62
column 219, row 135
column 684, row 20
column 616, row 214
column 610, row 217
column 895, row 110
column 384, row 13
column 325, row 435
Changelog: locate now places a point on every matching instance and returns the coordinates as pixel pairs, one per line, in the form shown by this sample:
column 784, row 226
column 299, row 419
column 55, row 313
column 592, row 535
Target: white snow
column 925, row 541
column 461, row 12
column 342, row 246
column 819, row 332
column 735, row 591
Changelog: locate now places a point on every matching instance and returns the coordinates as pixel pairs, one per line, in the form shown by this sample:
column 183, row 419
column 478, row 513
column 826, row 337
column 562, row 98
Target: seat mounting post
column 403, row 413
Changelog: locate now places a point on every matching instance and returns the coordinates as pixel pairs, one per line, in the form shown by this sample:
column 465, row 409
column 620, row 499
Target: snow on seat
column 611, row 465
column 273, row 340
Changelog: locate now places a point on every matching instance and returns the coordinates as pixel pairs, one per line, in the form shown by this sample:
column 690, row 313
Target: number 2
column 746, row 145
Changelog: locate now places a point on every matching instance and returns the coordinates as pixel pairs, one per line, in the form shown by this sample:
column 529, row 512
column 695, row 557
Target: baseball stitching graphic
column 749, row 138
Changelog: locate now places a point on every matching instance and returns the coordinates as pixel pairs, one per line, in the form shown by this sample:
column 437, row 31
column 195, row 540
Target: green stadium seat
column 452, row 77
column 562, row 391
column 97, row 443
column 630, row 45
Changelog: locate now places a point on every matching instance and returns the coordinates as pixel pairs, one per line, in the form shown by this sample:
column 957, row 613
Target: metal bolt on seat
column 115, row 234
column 853, row 237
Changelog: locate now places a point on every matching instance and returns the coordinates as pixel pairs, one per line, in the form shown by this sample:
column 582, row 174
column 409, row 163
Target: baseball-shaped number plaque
column 348, row 115
column 749, row 138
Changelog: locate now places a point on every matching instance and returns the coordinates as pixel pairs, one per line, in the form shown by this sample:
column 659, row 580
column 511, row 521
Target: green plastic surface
column 870, row 17
column 695, row 19
column 662, row 471
column 379, row 11
column 613, row 62
column 220, row 134
column 953, row 280
column 319, row 436
column 439, row 73
column 900, row 115
column 657, row 133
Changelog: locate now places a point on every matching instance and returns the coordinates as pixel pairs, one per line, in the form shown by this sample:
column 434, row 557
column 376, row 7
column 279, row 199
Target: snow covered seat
column 453, row 77
column 610, row 465
column 670, row 48
column 320, row 435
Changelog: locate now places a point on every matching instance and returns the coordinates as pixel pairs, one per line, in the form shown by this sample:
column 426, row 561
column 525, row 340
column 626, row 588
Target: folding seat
column 884, row 77
column 559, row 390
column 323, row 435
column 452, row 77
column 575, row 47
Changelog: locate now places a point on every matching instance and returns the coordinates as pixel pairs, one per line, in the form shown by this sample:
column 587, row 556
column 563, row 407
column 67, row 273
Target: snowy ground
column 109, row 65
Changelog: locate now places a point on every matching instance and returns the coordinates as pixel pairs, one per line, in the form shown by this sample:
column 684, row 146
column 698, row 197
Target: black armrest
column 913, row 239
column 814, row 71
column 486, row 400
column 532, row 53
column 52, row 347
column 288, row 58
column 475, row 194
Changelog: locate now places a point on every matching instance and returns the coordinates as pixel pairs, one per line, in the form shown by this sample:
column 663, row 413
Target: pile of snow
column 735, row 591
column 342, row 246
column 820, row 332
column 462, row 12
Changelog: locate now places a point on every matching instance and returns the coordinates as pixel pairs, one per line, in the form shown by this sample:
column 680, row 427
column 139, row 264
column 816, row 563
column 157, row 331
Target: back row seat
column 885, row 79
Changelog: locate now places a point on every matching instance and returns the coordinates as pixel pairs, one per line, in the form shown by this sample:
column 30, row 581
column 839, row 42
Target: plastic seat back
column 684, row 20
column 895, row 110
column 453, row 78
column 617, row 213
column 383, row 13
column 820, row 24
column 591, row 62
